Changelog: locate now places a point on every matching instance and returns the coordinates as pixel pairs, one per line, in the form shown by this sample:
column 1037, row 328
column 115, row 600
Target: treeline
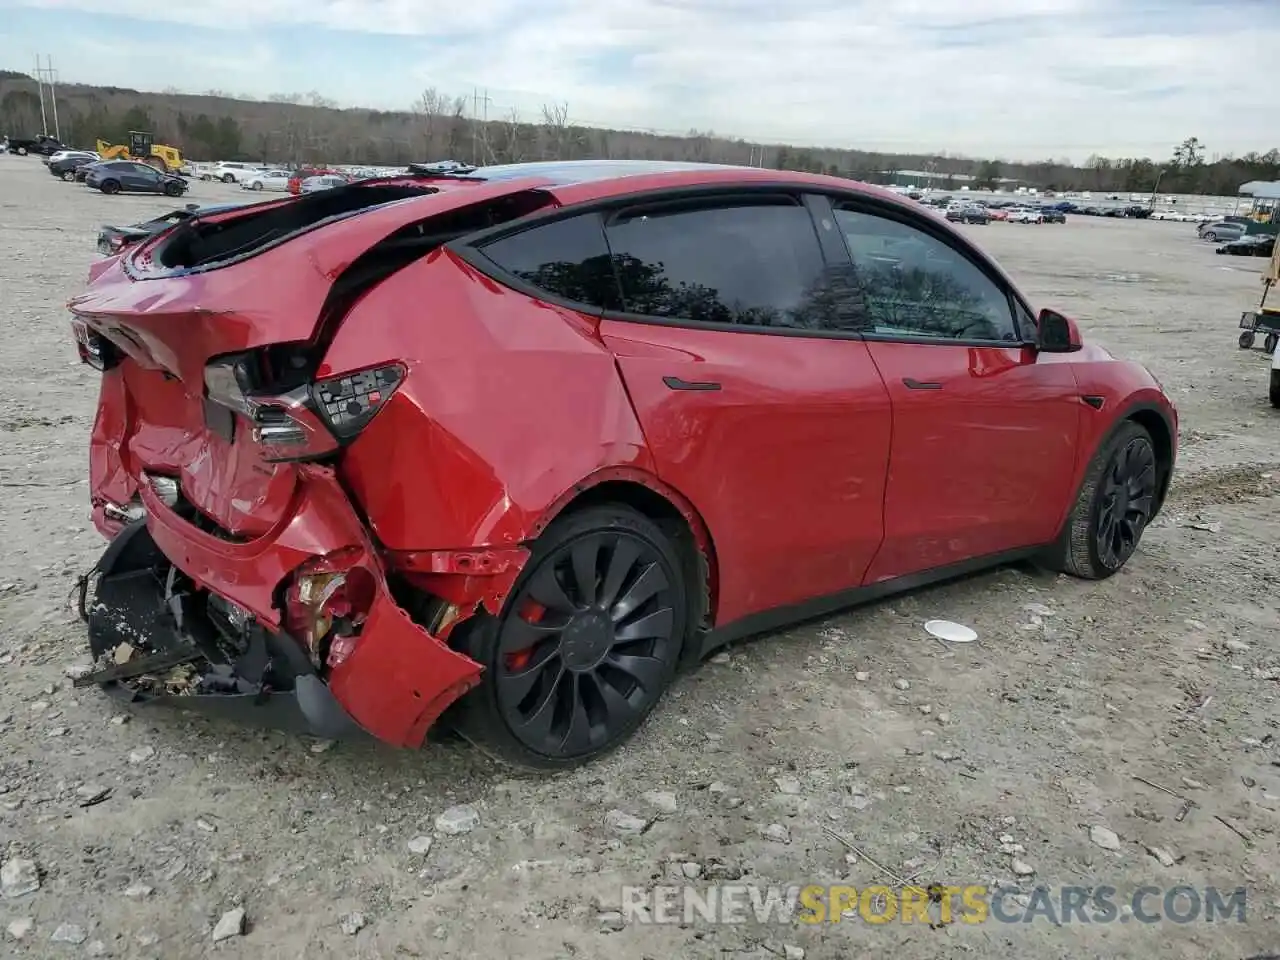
column 307, row 128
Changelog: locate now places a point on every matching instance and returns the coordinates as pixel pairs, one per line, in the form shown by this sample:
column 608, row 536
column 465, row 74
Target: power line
column 46, row 75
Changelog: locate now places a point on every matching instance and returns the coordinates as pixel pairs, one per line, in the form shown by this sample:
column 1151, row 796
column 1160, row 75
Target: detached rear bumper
column 393, row 686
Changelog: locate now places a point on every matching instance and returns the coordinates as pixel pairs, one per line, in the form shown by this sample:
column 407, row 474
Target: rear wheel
column 22, row 151
column 1211, row 236
column 228, row 178
column 256, row 185
column 110, row 186
column 586, row 645
column 1112, row 507
column 69, row 175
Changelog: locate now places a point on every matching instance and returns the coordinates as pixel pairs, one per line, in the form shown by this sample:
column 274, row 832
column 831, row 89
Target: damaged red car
column 507, row 448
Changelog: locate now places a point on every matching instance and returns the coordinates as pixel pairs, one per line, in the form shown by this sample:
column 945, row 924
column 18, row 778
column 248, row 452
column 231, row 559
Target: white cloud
column 1023, row 78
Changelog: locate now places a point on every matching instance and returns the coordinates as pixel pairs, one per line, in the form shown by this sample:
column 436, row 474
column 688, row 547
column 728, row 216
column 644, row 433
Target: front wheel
column 22, row 151
column 1112, row 508
column 69, row 176
column 255, row 186
column 228, row 178
column 1211, row 237
column 172, row 190
column 586, row 645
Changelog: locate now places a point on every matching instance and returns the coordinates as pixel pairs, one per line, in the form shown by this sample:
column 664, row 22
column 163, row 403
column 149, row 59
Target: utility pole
column 44, row 123
column 53, row 97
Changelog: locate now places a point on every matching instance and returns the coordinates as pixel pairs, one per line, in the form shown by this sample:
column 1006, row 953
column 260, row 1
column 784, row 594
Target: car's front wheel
column 1211, row 236
column 69, row 176
column 228, row 178
column 1112, row 507
column 587, row 643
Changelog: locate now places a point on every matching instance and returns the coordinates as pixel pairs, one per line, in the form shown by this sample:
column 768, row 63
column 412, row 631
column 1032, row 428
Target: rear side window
column 567, row 258
column 751, row 263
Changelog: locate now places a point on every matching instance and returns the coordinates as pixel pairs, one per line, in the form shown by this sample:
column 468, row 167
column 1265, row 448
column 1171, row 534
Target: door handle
column 676, row 383
column 913, row 384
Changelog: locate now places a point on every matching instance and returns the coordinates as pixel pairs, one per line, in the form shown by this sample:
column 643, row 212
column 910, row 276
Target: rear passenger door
column 758, row 405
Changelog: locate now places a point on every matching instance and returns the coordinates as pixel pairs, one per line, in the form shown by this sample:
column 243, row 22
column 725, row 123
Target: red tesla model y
column 508, row 447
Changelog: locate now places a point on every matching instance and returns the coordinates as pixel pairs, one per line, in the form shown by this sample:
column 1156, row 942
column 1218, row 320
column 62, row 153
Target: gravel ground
column 922, row 756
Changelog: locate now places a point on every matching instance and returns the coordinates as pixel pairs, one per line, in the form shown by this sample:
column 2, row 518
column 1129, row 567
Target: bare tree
column 555, row 123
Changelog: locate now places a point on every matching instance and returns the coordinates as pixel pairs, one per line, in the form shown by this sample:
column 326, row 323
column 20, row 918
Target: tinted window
column 907, row 282
column 754, row 264
column 567, row 258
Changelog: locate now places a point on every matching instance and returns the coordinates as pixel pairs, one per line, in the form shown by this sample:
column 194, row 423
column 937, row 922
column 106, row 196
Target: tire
column 228, row 178
column 525, row 715
column 1269, row 344
column 206, row 177
column 1275, row 389
column 1246, row 339
column 172, row 190
column 109, row 186
column 1129, row 456
column 1211, row 237
column 255, row 186
column 69, row 176
column 22, row 151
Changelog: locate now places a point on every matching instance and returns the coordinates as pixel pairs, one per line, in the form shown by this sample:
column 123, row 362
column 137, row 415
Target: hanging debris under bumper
column 159, row 636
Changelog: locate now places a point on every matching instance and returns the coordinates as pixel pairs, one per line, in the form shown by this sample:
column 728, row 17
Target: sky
column 1018, row 79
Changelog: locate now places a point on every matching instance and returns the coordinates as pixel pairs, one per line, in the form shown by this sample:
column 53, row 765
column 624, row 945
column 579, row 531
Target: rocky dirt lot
column 991, row 763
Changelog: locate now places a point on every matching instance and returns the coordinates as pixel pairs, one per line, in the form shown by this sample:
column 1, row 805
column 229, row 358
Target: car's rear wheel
column 1112, row 508
column 1246, row 339
column 69, row 175
column 586, row 645
column 22, row 151
column 228, row 178
column 110, row 186
column 1211, row 236
column 257, row 185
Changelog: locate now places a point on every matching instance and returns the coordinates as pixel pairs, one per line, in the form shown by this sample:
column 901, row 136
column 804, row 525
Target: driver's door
column 984, row 426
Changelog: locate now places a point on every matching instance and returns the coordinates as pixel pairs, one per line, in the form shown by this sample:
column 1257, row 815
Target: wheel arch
column 661, row 503
column 1159, row 425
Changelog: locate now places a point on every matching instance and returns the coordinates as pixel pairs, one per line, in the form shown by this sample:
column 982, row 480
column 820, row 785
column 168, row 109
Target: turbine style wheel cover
column 585, row 647
column 1126, row 496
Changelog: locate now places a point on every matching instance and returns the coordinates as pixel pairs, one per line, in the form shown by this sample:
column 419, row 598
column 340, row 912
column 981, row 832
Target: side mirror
column 1056, row 333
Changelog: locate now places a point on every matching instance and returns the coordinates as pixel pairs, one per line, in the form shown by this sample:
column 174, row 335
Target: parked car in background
column 65, row 168
column 971, row 213
column 288, row 472
column 113, row 239
column 1254, row 245
column 43, row 145
column 1025, row 215
column 66, row 154
column 274, row 180
column 233, row 172
column 997, row 213
column 1052, row 215
column 296, row 178
column 1221, row 230
column 128, row 176
column 324, row 182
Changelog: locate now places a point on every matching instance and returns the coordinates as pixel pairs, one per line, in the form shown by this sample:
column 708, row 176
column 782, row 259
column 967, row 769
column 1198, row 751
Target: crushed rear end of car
column 242, row 577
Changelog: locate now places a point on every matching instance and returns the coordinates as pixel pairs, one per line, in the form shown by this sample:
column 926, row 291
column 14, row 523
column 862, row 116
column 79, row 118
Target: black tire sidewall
column 1123, row 435
column 479, row 717
column 110, row 186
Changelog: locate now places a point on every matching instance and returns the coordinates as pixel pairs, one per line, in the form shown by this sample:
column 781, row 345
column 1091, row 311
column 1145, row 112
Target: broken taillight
column 328, row 600
column 93, row 349
column 308, row 421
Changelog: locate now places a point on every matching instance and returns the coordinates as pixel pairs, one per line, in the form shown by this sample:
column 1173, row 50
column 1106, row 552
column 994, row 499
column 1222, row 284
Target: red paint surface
column 813, row 469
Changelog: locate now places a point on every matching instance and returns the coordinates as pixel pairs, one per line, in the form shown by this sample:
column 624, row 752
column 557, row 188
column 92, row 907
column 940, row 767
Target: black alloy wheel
column 1126, row 495
column 110, row 186
column 587, row 642
column 587, row 645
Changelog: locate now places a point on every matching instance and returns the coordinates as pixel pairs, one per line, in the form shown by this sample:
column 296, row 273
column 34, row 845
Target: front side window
column 755, row 263
column 905, row 282
column 566, row 258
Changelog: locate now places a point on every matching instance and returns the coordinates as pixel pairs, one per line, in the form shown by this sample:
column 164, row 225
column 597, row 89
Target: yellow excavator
column 143, row 148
